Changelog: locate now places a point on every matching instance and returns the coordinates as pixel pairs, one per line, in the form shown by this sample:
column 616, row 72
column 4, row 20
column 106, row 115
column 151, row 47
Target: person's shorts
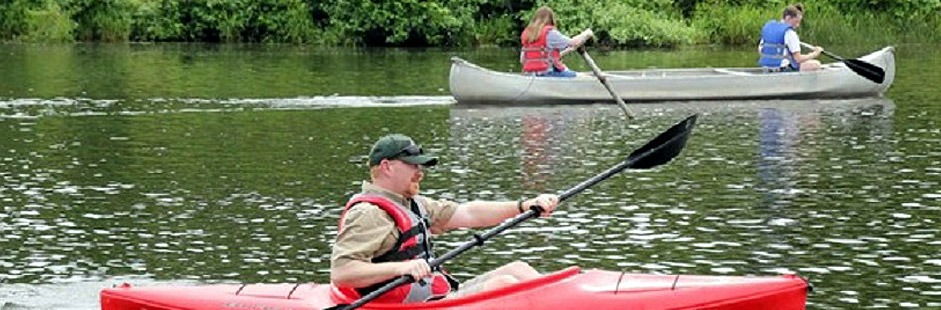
column 778, row 69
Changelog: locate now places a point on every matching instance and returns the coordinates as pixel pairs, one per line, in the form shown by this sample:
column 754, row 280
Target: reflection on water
column 832, row 190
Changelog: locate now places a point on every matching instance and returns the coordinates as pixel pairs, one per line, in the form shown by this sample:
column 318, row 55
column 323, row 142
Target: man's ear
column 385, row 165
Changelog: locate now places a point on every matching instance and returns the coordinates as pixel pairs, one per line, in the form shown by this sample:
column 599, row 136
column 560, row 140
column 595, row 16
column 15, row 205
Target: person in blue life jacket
column 543, row 45
column 385, row 231
column 780, row 46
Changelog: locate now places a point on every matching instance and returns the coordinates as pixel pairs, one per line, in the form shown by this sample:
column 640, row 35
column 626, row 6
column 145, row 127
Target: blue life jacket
column 774, row 49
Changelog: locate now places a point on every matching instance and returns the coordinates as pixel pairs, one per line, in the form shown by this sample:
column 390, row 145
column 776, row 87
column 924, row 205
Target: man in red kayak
column 385, row 231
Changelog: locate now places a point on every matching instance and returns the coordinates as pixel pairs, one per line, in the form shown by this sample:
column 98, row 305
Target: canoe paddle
column 604, row 81
column 867, row 70
column 663, row 148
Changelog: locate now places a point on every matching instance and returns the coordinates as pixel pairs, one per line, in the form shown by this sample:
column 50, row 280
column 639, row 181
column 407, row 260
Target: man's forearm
column 489, row 213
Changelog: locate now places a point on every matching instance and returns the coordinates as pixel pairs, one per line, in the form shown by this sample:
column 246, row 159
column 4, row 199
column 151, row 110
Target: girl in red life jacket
column 544, row 46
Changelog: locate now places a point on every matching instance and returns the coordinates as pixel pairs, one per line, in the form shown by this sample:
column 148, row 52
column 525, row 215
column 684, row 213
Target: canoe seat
column 727, row 71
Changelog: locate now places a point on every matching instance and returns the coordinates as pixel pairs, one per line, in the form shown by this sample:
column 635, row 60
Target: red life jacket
column 412, row 243
column 537, row 56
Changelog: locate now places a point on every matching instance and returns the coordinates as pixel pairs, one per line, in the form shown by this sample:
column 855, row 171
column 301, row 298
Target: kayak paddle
column 663, row 148
column 867, row 70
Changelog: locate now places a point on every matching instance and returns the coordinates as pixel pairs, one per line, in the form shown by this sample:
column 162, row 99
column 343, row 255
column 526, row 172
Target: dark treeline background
column 617, row 23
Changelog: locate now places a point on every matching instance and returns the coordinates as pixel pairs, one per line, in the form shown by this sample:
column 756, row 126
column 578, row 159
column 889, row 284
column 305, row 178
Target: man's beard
column 412, row 190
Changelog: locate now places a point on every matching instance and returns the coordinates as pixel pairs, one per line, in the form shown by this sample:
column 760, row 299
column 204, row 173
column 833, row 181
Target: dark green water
column 167, row 164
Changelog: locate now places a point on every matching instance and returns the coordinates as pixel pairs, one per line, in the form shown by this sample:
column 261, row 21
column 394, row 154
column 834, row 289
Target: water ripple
column 32, row 108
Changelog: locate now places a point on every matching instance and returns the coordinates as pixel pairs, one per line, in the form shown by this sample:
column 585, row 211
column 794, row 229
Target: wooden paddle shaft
column 604, row 81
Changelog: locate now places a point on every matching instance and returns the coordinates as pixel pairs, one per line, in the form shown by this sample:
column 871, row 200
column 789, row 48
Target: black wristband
column 519, row 206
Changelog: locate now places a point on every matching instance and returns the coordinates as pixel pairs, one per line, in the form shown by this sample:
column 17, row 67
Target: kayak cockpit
column 547, row 279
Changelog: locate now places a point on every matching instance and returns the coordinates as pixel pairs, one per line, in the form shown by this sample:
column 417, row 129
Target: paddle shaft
column 825, row 52
column 604, row 81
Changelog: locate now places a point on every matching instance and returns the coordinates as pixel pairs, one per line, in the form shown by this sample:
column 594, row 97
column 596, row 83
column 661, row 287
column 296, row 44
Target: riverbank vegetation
column 617, row 23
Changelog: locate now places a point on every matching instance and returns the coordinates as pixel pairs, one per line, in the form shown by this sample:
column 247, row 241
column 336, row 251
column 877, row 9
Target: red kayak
column 570, row 288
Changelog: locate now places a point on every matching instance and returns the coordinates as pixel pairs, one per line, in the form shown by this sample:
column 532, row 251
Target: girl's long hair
column 544, row 16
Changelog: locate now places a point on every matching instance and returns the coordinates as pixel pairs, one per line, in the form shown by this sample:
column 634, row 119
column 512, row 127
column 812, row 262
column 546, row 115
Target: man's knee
column 810, row 65
column 519, row 265
column 501, row 281
column 521, row 270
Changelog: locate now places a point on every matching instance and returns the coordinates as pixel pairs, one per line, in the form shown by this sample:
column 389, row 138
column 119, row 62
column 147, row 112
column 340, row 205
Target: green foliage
column 689, row 8
column 900, row 10
column 382, row 22
column 493, row 31
column 731, row 25
column 493, row 22
column 13, row 15
column 622, row 23
column 102, row 20
column 225, row 21
column 824, row 23
column 832, row 25
column 156, row 20
column 281, row 21
column 50, row 24
column 24, row 20
column 211, row 20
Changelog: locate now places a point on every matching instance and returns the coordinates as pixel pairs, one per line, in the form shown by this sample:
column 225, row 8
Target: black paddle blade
column 867, row 70
column 664, row 147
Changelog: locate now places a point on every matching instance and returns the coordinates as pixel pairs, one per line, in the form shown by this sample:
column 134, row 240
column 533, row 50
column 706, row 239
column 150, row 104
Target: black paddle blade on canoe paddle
column 867, row 70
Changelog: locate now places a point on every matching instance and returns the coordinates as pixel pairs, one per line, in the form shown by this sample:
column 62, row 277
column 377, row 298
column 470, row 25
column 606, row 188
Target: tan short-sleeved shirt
column 368, row 231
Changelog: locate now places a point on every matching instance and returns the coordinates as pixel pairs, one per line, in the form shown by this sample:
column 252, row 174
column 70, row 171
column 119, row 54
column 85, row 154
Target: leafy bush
column 50, row 24
column 102, row 20
column 900, row 10
column 388, row 22
column 732, row 25
column 13, row 13
column 493, row 31
column 624, row 23
column 24, row 20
